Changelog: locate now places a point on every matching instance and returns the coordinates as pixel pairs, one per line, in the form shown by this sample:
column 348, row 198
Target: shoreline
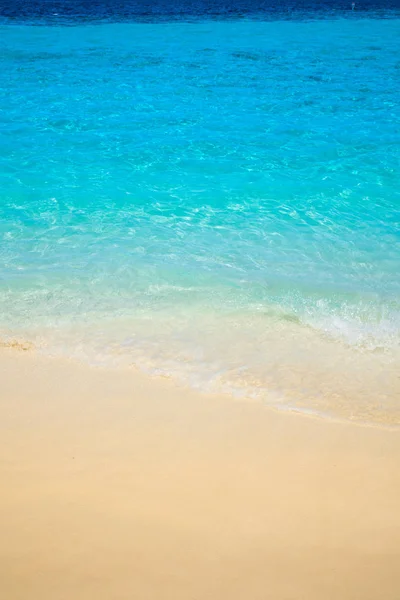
column 117, row 485
column 344, row 386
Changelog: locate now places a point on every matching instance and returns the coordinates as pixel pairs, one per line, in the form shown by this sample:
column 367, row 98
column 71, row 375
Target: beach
column 199, row 300
column 118, row 485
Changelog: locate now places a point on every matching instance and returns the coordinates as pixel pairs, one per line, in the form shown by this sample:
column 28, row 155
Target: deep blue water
column 73, row 11
column 207, row 191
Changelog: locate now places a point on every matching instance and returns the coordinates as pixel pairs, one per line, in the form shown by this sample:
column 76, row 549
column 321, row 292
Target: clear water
column 216, row 200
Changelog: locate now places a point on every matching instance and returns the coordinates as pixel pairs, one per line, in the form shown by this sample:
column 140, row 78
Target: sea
column 209, row 192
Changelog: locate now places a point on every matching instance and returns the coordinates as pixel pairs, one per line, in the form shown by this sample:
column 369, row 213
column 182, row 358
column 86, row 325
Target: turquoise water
column 215, row 201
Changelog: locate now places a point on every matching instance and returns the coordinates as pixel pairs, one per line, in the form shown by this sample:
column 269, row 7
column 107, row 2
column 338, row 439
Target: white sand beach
column 117, row 486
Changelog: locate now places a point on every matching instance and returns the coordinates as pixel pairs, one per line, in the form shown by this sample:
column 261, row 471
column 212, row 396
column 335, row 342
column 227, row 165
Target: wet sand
column 118, row 486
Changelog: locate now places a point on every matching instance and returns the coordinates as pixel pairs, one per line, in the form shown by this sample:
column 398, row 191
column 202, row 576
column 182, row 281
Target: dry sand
column 116, row 486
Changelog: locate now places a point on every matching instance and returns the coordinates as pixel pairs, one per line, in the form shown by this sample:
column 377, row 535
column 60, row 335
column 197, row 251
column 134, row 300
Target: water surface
column 209, row 197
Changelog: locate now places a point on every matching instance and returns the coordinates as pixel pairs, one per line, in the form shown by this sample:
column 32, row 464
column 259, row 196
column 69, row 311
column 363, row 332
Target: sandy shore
column 115, row 486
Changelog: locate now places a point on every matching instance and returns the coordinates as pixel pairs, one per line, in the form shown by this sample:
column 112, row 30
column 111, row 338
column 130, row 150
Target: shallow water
column 215, row 200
